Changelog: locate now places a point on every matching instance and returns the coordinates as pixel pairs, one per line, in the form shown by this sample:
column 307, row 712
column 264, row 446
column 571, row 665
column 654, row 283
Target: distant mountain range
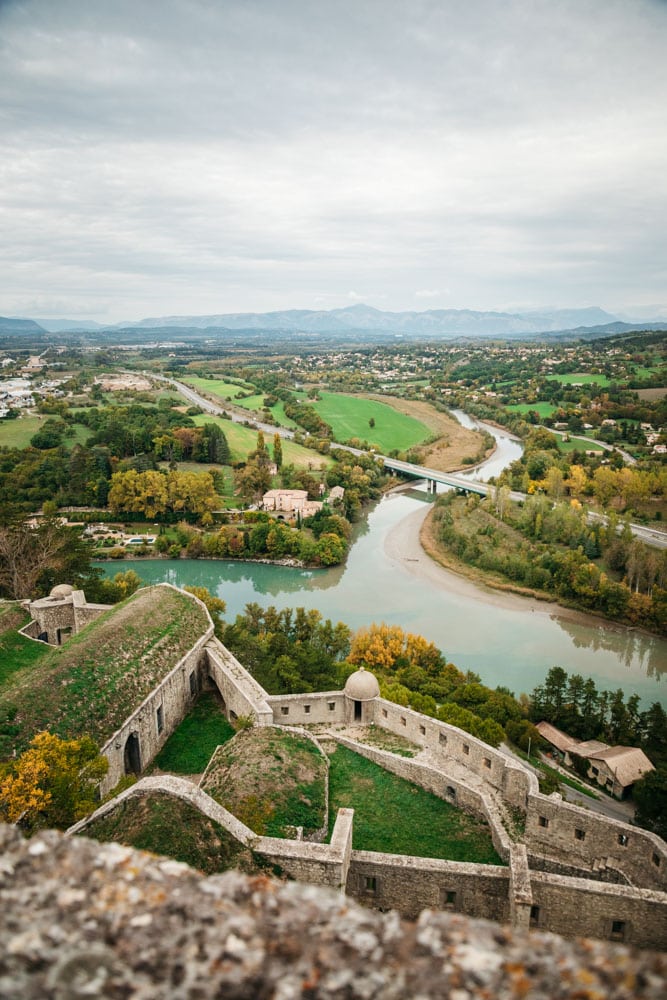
column 359, row 319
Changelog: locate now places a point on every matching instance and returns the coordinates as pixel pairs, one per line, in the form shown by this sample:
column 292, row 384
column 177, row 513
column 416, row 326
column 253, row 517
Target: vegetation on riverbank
column 550, row 550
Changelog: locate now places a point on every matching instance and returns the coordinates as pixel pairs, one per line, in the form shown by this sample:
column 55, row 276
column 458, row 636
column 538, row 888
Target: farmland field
column 577, row 378
column 543, row 409
column 227, row 391
column 578, row 444
column 349, row 416
column 17, row 433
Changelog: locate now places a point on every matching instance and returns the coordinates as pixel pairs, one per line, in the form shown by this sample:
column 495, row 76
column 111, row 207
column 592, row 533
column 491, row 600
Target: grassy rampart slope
column 92, row 683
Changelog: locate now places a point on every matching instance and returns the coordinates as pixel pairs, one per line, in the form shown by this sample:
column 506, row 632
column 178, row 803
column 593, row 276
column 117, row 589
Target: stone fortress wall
column 615, row 881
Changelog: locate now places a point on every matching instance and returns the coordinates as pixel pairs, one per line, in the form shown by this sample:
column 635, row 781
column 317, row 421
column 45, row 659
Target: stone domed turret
column 61, row 590
column 362, row 685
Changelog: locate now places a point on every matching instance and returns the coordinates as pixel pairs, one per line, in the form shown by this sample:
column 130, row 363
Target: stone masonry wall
column 409, row 885
column 571, row 907
column 493, row 767
column 240, row 692
column 153, row 722
column 578, row 836
column 308, row 709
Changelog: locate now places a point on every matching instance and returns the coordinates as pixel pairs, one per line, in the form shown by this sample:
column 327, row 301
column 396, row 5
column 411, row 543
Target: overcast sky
column 204, row 156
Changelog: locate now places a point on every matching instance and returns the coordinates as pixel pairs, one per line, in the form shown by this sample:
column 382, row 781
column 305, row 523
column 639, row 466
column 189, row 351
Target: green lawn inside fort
column 395, row 816
column 191, row 746
column 349, row 417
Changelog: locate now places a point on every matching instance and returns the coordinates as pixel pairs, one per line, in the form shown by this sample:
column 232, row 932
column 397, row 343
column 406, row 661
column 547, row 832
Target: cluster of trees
column 290, row 651
column 551, row 548
column 271, row 539
column 361, row 476
column 52, row 784
column 33, row 558
column 158, row 494
column 207, row 443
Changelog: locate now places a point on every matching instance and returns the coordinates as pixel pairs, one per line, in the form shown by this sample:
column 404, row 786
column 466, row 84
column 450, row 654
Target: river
column 507, row 640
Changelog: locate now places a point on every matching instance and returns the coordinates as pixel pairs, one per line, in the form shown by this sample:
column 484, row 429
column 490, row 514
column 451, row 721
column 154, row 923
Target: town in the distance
column 346, row 603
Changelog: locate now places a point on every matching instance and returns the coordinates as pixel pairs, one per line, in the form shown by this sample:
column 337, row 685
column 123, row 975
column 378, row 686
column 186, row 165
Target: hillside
column 92, row 683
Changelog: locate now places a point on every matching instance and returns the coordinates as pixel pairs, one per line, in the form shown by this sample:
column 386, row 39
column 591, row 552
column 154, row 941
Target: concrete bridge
column 455, row 480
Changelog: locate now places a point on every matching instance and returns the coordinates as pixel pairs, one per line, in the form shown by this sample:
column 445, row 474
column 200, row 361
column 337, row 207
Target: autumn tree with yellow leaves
column 53, row 784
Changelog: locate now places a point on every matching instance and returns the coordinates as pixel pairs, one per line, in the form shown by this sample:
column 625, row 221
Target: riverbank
column 412, row 544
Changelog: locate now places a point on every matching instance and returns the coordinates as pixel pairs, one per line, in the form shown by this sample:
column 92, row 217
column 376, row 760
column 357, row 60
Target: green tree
column 277, row 451
column 650, row 795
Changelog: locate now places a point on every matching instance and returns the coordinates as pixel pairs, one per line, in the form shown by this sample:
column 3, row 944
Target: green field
column 394, row 816
column 225, row 391
column 580, row 378
column 349, row 416
column 17, row 433
column 543, row 409
column 242, row 440
column 578, row 444
column 191, row 746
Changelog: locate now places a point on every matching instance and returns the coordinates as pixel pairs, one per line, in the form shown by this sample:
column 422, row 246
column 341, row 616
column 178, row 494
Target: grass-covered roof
column 92, row 683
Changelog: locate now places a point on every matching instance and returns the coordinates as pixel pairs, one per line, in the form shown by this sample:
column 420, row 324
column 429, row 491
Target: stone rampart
column 240, row 692
column 308, row 709
column 450, row 743
column 572, row 907
column 320, row 864
column 578, row 836
column 409, row 885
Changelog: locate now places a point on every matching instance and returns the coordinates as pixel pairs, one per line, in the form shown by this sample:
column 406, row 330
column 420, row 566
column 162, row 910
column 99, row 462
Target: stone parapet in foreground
column 81, row 919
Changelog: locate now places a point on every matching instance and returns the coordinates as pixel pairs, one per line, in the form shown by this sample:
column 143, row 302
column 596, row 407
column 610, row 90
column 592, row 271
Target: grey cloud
column 267, row 153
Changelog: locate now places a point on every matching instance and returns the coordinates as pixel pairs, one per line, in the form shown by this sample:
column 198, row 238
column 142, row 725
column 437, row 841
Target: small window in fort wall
column 443, row 738
column 306, row 709
column 623, row 839
column 543, row 821
column 448, row 899
column 332, row 706
column 193, row 684
column 284, row 710
column 656, row 860
column 534, row 916
column 403, row 722
column 422, row 730
column 487, row 762
column 384, row 713
column 466, row 749
column 451, row 792
column 579, row 834
column 617, row 930
column 159, row 718
column 371, row 883
column 595, row 771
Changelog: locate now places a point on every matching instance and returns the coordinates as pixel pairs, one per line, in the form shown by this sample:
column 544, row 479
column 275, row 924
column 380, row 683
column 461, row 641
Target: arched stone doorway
column 132, row 756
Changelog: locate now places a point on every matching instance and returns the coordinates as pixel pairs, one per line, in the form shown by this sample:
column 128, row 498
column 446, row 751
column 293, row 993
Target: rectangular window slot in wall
column 332, row 706
column 534, row 916
column 159, row 718
column 371, row 883
column 384, row 713
column 306, row 709
column 466, row 749
column 448, row 899
column 443, row 737
column 656, row 860
column 284, row 710
column 403, row 722
column 579, row 834
column 451, row 792
column 487, row 762
column 617, row 930
column 543, row 821
column 193, row 684
column 623, row 839
column 422, row 730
